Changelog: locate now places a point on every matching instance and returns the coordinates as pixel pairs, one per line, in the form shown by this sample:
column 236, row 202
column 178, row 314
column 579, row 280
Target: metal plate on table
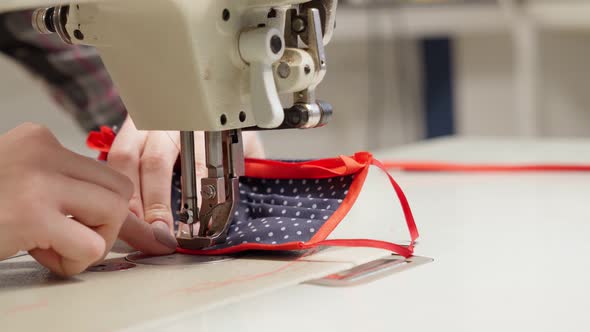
column 175, row 259
column 371, row 271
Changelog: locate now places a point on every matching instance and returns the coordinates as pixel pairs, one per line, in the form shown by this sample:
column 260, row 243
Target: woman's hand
column 66, row 210
column 148, row 159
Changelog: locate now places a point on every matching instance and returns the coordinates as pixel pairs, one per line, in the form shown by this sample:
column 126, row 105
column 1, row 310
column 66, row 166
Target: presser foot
column 219, row 190
column 218, row 220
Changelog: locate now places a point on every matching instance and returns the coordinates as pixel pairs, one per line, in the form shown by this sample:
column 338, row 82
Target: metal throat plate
column 371, row 271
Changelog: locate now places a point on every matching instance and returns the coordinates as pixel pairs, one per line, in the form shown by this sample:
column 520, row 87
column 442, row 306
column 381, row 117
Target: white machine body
column 201, row 65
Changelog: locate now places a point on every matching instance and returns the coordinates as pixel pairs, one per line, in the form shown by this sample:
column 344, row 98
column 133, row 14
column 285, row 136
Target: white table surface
column 511, row 254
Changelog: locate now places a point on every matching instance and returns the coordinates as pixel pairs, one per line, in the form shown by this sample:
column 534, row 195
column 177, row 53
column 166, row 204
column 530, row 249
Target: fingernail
column 163, row 235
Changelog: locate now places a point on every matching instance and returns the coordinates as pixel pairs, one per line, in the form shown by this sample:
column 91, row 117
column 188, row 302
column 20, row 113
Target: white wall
column 484, row 88
column 486, row 92
column 565, row 94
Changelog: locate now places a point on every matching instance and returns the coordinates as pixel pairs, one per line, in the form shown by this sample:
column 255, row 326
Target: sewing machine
column 208, row 65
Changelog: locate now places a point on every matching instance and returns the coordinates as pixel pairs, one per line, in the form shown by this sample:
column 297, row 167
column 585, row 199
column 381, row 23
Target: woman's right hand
column 65, row 209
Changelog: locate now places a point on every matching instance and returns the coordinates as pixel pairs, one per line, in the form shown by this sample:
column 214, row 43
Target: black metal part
column 291, row 36
column 299, row 24
column 62, row 20
column 272, row 13
column 276, row 44
column 49, row 19
column 226, row 15
column 297, row 117
column 78, row 34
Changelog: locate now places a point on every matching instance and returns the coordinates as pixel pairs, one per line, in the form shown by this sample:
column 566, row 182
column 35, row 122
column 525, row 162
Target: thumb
column 151, row 239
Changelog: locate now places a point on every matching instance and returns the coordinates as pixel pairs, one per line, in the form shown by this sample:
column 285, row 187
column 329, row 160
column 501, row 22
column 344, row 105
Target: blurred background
column 404, row 71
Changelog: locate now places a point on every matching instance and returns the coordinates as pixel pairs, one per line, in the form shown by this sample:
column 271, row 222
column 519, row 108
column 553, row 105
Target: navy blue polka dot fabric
column 281, row 211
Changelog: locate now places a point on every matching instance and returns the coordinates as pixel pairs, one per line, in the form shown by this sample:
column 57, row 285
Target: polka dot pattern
column 277, row 211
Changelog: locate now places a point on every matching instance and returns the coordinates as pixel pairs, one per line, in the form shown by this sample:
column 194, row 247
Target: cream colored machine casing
column 177, row 63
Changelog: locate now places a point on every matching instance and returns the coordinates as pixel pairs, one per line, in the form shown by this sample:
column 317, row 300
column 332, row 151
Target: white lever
column 260, row 48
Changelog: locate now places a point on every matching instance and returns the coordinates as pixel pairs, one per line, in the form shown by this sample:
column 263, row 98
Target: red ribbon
column 101, row 141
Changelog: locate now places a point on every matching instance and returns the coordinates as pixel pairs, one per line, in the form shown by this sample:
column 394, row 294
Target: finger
column 72, row 247
column 157, row 164
column 151, row 239
column 124, row 157
column 94, row 206
column 89, row 203
column 110, row 233
column 89, row 170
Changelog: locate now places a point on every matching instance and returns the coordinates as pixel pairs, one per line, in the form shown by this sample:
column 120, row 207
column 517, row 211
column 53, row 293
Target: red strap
column 434, row 166
column 409, row 217
column 316, row 169
column 101, row 141
column 412, row 228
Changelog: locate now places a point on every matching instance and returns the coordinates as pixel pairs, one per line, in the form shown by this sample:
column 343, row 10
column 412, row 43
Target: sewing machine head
column 216, row 66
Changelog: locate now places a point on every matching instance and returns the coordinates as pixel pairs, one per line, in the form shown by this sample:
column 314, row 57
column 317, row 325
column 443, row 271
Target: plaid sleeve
column 75, row 75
